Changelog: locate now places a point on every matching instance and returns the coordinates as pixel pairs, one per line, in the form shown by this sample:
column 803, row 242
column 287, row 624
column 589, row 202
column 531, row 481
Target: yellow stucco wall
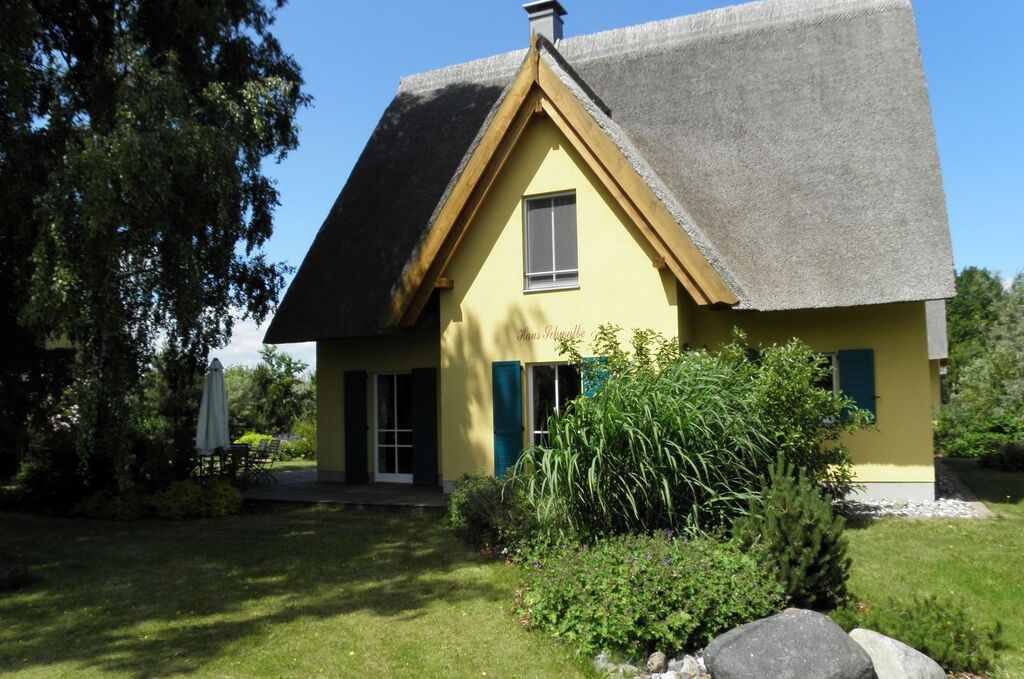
column 484, row 316
column 487, row 317
column 900, row 449
column 392, row 353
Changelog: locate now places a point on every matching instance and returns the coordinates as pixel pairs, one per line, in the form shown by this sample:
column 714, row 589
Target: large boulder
column 13, row 573
column 796, row 644
column 894, row 659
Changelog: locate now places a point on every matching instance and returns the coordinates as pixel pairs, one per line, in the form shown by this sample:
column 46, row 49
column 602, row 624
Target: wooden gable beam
column 537, row 90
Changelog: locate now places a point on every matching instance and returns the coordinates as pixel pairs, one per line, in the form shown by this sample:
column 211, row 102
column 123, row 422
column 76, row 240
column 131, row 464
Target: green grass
column 977, row 561
column 288, row 465
column 310, row 592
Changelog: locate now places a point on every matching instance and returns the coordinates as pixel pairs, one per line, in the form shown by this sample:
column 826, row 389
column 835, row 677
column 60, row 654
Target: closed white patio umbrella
column 212, row 430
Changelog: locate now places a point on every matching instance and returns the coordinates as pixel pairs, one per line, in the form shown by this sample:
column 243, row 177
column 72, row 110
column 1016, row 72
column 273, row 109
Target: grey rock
column 686, row 666
column 13, row 573
column 667, row 675
column 797, row 644
column 894, row 659
column 602, row 662
column 657, row 663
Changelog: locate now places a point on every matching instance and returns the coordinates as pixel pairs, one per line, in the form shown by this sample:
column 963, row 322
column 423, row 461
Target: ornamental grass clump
column 641, row 592
column 664, row 437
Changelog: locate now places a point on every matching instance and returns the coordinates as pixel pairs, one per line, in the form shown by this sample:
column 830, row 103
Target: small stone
column 657, row 663
column 686, row 666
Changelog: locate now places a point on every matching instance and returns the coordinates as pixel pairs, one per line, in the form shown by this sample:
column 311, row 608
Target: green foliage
column 1009, row 457
column 252, row 438
column 275, row 395
column 986, row 407
column 677, row 439
column 636, row 593
column 130, row 505
column 187, row 499
column 968, row 317
column 940, row 628
column 487, row 512
column 133, row 196
column 802, row 538
column 304, row 446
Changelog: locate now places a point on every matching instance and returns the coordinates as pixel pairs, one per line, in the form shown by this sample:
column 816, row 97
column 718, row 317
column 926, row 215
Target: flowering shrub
column 637, row 593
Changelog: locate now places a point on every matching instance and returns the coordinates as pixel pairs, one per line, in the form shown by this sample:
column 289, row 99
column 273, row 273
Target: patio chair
column 261, row 459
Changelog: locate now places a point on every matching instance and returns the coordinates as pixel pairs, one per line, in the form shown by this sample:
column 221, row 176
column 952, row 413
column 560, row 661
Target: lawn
column 308, row 592
column 977, row 561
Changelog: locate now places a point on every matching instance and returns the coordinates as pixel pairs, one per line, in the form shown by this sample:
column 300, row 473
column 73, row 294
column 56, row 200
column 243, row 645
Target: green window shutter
column 355, row 426
column 857, row 377
column 507, row 393
column 594, row 374
column 424, row 426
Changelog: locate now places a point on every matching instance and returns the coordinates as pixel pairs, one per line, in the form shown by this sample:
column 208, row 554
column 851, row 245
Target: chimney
column 546, row 18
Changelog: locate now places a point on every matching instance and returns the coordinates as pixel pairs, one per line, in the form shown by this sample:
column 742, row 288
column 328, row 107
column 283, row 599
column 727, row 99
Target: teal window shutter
column 594, row 374
column 857, row 377
column 424, row 426
column 356, row 425
column 507, row 393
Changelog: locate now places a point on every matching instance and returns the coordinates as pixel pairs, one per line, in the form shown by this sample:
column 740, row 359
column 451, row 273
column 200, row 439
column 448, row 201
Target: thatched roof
column 792, row 140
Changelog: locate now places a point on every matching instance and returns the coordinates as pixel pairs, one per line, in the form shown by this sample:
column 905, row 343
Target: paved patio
column 300, row 485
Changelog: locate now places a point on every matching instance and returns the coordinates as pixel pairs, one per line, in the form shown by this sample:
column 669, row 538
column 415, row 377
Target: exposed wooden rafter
column 536, row 90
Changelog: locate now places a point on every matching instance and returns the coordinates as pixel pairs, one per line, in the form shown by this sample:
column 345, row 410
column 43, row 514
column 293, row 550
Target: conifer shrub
column 941, row 628
column 802, row 538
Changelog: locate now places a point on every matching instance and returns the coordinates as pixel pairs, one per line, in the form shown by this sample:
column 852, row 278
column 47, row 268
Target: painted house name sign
column 550, row 332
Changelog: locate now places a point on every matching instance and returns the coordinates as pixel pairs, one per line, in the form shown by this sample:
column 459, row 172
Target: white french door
column 393, row 427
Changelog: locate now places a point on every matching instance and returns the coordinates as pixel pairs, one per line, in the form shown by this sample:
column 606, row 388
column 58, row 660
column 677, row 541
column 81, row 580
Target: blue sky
column 353, row 53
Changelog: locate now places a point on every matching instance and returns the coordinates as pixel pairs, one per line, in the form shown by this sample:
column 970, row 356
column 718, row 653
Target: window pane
column 404, row 460
column 543, row 395
column 568, row 385
column 565, row 233
column 387, row 460
column 385, row 438
column 403, row 386
column 386, row 401
column 538, row 235
column 404, row 438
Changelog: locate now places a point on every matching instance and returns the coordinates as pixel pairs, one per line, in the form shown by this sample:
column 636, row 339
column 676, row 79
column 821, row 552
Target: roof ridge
column 715, row 24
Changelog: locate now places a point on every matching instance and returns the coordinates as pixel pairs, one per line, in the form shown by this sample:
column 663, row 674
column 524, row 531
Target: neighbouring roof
column 792, row 140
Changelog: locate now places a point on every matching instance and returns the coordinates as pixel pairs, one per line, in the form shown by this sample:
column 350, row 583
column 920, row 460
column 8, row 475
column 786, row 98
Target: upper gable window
column 550, row 242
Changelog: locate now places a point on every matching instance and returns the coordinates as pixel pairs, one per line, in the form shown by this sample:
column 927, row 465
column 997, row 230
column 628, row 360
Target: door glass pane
column 403, row 388
column 404, row 460
column 543, row 395
column 568, row 385
column 387, row 460
column 386, row 401
column 565, row 233
column 538, row 235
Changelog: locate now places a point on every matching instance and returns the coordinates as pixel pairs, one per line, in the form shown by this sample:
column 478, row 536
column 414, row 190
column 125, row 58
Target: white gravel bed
column 948, row 505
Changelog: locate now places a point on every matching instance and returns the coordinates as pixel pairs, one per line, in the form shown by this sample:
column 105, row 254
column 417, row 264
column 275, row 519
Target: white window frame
column 533, row 432
column 378, row 475
column 530, row 286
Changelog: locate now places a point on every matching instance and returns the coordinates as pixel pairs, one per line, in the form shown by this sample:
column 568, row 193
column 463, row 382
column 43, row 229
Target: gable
column 538, row 91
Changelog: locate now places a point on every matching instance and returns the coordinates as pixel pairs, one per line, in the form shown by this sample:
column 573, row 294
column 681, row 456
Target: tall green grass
column 679, row 439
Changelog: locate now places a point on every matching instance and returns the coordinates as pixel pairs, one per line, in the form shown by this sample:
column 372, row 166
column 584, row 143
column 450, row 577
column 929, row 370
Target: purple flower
column 536, row 564
column 668, row 533
column 647, row 556
column 667, row 560
column 686, row 539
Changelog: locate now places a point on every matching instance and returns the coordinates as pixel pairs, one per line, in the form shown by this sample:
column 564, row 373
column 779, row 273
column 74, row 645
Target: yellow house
column 770, row 166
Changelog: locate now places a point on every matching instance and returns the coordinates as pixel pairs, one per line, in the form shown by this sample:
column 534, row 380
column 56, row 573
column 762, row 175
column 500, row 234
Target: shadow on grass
column 989, row 485
column 152, row 599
